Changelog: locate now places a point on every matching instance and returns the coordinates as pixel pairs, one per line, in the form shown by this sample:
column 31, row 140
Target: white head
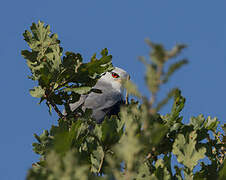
column 115, row 78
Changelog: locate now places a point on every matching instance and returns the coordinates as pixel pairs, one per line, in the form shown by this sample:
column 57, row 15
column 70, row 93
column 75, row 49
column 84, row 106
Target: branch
column 127, row 94
column 101, row 164
column 55, row 108
column 50, row 102
column 153, row 97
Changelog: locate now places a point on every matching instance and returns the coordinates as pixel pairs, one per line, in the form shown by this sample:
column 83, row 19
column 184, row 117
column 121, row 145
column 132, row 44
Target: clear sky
column 121, row 26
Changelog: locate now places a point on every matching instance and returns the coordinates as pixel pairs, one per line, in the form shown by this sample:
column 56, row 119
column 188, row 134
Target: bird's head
column 115, row 78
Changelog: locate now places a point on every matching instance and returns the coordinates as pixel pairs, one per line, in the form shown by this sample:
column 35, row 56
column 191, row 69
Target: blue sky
column 121, row 26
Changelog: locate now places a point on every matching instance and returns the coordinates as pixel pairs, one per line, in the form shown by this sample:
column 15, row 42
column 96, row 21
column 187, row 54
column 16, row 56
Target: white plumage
column 106, row 103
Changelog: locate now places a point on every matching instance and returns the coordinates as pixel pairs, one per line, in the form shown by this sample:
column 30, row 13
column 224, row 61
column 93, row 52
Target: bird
column 110, row 99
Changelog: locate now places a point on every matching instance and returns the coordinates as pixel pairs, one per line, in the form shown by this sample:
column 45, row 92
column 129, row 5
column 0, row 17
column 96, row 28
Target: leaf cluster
column 61, row 79
column 139, row 143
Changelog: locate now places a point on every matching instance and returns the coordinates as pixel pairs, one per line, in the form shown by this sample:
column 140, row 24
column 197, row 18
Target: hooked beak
column 120, row 80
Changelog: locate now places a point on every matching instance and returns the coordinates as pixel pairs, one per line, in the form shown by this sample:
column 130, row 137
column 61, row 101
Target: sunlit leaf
column 78, row 90
column 131, row 88
column 185, row 150
column 37, row 92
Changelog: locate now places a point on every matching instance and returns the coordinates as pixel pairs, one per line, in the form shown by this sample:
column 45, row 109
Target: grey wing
column 103, row 100
column 102, row 104
column 75, row 105
column 93, row 100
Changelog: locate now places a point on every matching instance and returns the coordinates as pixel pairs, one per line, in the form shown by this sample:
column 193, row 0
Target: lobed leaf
column 173, row 68
column 97, row 158
column 151, row 78
column 185, row 150
column 211, row 123
column 131, row 88
column 37, row 92
column 166, row 99
column 78, row 90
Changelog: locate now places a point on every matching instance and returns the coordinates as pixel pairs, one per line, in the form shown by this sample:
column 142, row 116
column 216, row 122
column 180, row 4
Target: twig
column 100, row 166
column 55, row 108
column 49, row 102
column 153, row 96
column 127, row 95
column 127, row 98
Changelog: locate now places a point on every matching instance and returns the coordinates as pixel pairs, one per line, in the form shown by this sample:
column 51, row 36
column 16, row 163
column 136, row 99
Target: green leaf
column 209, row 171
column 166, row 99
column 45, row 52
column 129, row 145
column 97, row 158
column 161, row 170
column 72, row 61
column 197, row 122
column 57, row 167
column 119, row 147
column 111, row 132
column 175, row 51
column 178, row 173
column 186, row 152
column 211, row 123
column 44, row 143
column 222, row 173
column 173, row 120
column 57, row 99
column 224, row 136
column 157, row 133
column 131, row 88
column 78, row 90
column 39, row 31
column 49, row 108
column 143, row 172
column 98, row 131
column 31, row 56
column 151, row 78
column 64, row 138
column 96, row 67
column 173, row 68
column 178, row 106
column 104, row 52
column 37, row 92
column 224, row 128
column 158, row 52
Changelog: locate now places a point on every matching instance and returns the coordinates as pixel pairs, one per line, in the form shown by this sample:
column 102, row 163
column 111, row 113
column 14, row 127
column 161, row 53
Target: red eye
column 114, row 75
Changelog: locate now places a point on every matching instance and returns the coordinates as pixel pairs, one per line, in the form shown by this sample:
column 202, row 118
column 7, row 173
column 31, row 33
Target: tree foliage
column 138, row 144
